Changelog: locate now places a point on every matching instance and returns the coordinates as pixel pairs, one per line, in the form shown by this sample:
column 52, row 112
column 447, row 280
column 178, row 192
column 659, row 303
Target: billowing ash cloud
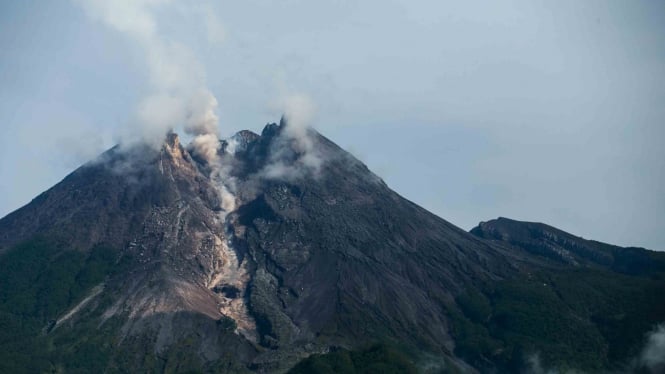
column 205, row 146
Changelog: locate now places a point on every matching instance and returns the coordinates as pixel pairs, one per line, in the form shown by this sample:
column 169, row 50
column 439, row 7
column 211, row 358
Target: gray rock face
column 341, row 257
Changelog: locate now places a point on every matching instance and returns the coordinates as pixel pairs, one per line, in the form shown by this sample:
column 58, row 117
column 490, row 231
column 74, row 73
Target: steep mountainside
column 552, row 243
column 284, row 246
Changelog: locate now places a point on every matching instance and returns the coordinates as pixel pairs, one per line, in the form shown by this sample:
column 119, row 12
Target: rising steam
column 178, row 92
column 299, row 111
column 179, row 96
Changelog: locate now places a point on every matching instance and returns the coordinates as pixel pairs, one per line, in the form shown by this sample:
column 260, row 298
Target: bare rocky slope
column 317, row 255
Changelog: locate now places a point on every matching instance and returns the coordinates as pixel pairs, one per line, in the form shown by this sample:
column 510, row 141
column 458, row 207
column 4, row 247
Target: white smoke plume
column 179, row 96
column 653, row 354
column 299, row 112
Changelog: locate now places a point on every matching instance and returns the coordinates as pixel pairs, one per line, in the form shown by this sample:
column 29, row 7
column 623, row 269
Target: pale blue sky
column 542, row 111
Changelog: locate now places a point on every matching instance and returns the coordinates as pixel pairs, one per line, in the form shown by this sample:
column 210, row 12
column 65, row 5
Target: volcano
column 138, row 262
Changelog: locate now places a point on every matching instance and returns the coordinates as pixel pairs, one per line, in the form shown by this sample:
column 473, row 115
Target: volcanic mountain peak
column 281, row 245
column 172, row 140
column 176, row 152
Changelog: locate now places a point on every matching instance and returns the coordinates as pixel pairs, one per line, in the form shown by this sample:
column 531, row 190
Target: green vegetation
column 40, row 280
column 376, row 359
column 585, row 319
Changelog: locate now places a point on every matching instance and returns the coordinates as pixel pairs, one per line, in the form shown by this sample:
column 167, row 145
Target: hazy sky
column 542, row 111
